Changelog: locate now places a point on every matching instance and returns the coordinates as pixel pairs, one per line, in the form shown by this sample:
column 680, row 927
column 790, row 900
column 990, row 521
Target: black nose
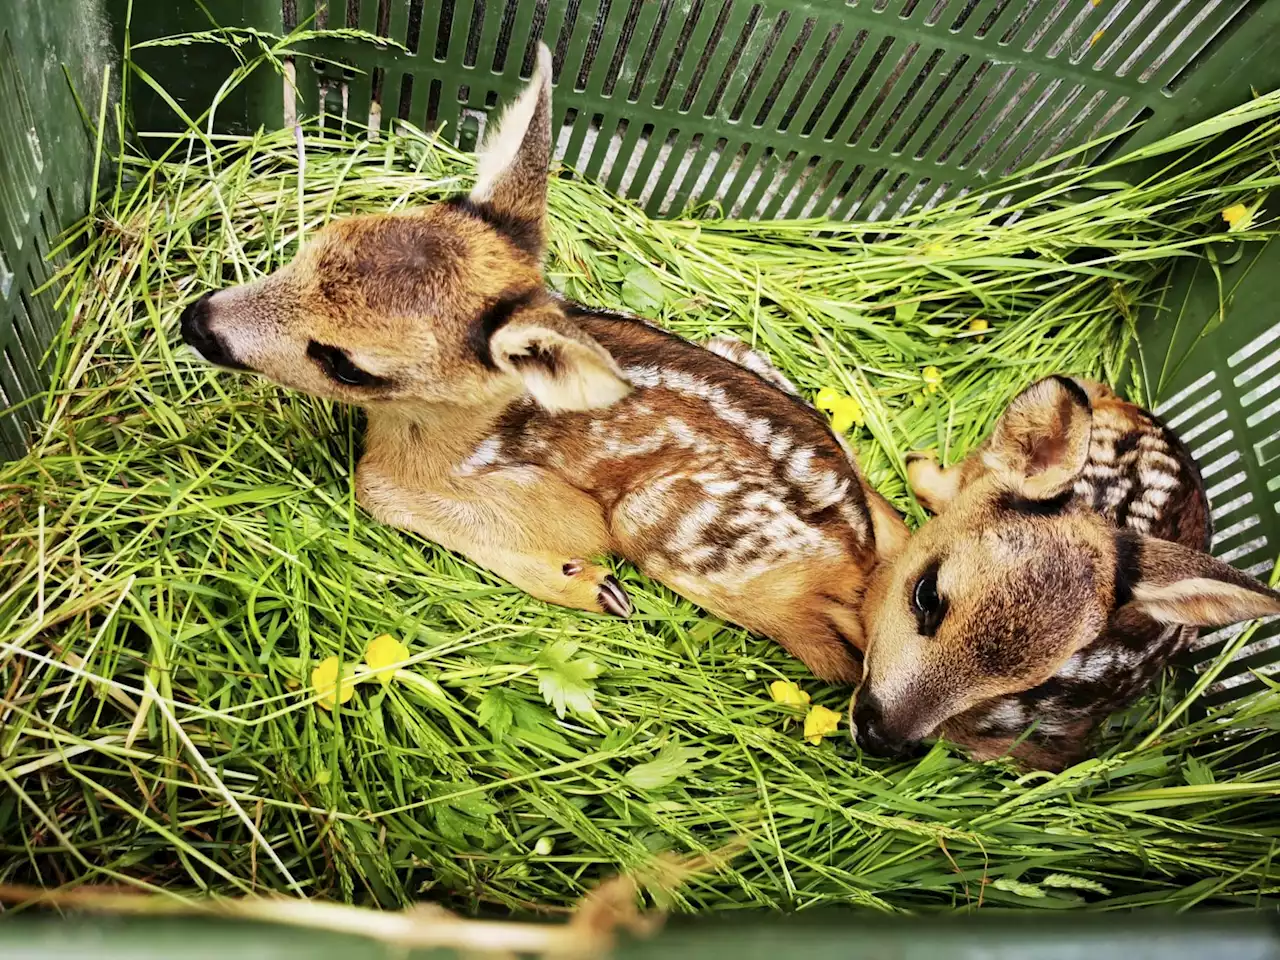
column 196, row 332
column 871, row 735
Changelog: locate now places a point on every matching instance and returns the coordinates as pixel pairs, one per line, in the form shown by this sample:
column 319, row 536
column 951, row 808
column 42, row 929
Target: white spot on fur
column 720, row 488
column 1155, row 497
column 486, row 454
column 643, row 376
column 799, row 467
column 1156, row 480
column 682, row 433
column 828, row 489
column 780, row 445
column 736, row 351
column 689, row 529
column 1008, row 713
column 647, row 506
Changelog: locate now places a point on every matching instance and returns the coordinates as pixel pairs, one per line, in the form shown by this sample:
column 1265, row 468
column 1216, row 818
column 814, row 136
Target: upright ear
column 1173, row 584
column 891, row 533
column 511, row 173
column 562, row 367
column 1041, row 442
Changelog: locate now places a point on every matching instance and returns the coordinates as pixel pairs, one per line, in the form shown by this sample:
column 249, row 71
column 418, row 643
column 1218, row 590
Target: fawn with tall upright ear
column 534, row 435
column 1064, row 568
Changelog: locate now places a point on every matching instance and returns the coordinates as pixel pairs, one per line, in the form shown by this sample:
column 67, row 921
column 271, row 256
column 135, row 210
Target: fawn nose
column 196, row 332
column 872, row 735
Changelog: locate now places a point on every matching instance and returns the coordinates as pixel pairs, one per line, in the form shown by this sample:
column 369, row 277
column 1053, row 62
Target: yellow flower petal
column 931, row 375
column 979, row 326
column 827, row 399
column 820, row 722
column 841, row 421
column 787, row 693
column 850, row 406
column 1237, row 216
column 325, row 679
column 382, row 653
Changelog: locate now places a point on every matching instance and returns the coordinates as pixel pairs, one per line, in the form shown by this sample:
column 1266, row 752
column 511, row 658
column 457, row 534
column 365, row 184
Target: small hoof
column 916, row 455
column 613, row 599
column 573, row 568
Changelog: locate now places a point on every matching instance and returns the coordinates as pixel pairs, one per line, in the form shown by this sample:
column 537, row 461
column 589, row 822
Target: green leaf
column 664, row 769
column 495, row 712
column 704, row 630
column 895, row 339
column 642, row 291
column 566, row 684
column 906, row 312
column 534, row 725
column 451, row 824
column 1197, row 773
column 609, row 269
column 458, row 818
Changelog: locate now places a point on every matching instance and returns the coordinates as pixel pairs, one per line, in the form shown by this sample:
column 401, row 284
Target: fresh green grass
column 181, row 547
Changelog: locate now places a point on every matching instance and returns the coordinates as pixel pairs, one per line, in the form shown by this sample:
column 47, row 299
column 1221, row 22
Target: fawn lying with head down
column 533, row 435
column 1065, row 567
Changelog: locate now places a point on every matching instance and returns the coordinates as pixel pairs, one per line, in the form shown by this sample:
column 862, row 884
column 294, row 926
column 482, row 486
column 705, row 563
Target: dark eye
column 338, row 366
column 926, row 603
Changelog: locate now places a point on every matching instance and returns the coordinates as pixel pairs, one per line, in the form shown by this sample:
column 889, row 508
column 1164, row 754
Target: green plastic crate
column 821, row 936
column 857, row 109
column 46, row 164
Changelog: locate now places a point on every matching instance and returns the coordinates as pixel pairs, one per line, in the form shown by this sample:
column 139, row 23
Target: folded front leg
column 525, row 525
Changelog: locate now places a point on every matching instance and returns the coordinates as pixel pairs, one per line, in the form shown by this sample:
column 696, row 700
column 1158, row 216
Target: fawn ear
column 511, row 172
column 562, row 367
column 1173, row 584
column 1041, row 442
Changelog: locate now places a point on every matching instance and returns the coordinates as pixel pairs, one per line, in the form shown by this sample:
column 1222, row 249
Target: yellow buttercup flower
column 383, row 653
column 932, row 378
column 1238, row 217
column 788, row 694
column 325, row 680
column 827, row 398
column 845, row 410
column 979, row 326
column 820, row 722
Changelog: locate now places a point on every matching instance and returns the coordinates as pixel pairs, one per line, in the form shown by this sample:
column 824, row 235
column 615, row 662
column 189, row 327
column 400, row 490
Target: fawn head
column 445, row 304
column 1015, row 576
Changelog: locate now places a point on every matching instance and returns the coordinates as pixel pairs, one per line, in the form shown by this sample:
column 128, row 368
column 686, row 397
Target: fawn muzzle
column 198, row 335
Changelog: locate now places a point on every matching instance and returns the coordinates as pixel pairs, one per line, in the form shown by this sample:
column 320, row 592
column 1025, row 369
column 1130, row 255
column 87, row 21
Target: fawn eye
column 926, row 603
column 338, row 366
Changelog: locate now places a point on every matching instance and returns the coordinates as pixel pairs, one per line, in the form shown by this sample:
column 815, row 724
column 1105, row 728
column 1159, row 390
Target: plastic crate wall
column 780, row 109
column 45, row 169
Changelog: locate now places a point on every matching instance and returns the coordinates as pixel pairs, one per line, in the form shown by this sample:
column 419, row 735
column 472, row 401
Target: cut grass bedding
column 182, row 548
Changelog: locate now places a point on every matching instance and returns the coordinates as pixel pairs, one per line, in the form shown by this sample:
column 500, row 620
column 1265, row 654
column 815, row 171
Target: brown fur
column 534, row 435
column 1068, row 551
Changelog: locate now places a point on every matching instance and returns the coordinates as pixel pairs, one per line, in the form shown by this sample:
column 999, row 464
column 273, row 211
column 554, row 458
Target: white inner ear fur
column 1202, row 602
column 502, row 142
column 561, row 373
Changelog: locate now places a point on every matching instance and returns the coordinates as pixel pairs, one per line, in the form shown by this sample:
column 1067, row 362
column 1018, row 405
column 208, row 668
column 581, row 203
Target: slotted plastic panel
column 44, row 176
column 780, row 109
column 1220, row 384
